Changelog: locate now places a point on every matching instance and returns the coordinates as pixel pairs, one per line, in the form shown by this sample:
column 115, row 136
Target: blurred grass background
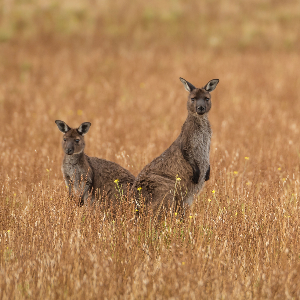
column 219, row 25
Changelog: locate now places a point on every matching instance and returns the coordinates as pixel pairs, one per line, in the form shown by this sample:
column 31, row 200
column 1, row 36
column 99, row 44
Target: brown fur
column 178, row 174
column 90, row 178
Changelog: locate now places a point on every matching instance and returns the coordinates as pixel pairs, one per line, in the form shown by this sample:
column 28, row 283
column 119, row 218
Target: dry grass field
column 117, row 65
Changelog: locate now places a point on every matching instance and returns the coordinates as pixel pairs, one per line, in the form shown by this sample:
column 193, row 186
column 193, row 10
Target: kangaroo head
column 199, row 101
column 73, row 139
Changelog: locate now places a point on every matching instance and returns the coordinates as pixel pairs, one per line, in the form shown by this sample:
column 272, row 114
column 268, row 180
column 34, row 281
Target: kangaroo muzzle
column 200, row 110
column 69, row 151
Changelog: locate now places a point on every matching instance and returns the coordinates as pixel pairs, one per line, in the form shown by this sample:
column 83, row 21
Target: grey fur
column 178, row 174
column 89, row 178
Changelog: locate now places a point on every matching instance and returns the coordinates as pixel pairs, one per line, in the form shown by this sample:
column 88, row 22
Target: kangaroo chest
column 200, row 145
column 72, row 171
column 76, row 171
column 200, row 142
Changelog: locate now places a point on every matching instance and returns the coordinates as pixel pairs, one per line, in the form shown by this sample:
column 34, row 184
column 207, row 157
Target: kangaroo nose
column 69, row 151
column 200, row 108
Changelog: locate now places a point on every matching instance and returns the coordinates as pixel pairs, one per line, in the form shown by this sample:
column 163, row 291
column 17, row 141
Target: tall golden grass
column 117, row 65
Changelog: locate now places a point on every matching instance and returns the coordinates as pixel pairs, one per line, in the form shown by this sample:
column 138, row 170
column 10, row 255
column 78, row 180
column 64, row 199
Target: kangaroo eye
column 77, row 140
column 65, row 140
column 206, row 99
column 193, row 99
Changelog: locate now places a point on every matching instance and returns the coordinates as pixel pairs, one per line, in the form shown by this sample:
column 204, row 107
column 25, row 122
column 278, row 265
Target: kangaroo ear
column 62, row 126
column 211, row 85
column 84, row 128
column 188, row 86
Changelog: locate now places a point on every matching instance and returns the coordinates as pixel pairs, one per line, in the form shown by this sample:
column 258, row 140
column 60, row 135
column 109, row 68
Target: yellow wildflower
column 279, row 169
column 235, row 172
column 139, row 188
column 191, row 217
column 209, row 200
column 213, row 191
column 247, row 158
column 178, row 178
column 116, row 181
column 175, row 214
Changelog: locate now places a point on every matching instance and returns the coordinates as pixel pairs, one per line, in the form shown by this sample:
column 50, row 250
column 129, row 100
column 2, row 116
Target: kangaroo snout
column 69, row 151
column 201, row 110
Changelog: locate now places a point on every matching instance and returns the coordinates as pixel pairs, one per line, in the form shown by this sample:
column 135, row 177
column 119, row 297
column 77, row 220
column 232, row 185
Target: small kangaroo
column 178, row 174
column 89, row 177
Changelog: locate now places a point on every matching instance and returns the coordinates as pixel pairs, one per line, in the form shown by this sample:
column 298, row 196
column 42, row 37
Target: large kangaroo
column 178, row 174
column 90, row 177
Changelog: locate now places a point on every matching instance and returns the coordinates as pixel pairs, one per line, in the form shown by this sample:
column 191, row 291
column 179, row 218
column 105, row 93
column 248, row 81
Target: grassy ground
column 118, row 66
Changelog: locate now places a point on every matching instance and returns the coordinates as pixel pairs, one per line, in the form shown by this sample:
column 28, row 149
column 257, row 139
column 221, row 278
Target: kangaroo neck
column 198, row 120
column 75, row 158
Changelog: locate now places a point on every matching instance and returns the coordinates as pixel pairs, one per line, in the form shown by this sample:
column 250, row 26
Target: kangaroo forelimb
column 193, row 164
column 207, row 175
column 86, row 193
column 196, row 173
